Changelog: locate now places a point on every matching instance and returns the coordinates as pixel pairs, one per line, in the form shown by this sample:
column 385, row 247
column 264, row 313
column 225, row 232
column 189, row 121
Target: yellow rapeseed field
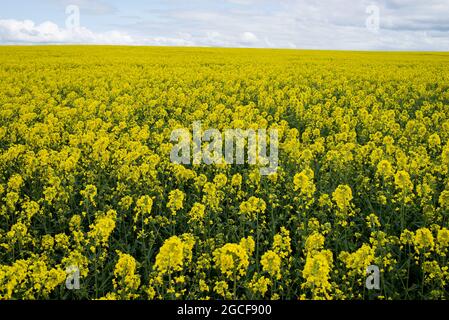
column 86, row 179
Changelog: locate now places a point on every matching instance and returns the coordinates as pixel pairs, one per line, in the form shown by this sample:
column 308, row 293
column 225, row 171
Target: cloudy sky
column 305, row 24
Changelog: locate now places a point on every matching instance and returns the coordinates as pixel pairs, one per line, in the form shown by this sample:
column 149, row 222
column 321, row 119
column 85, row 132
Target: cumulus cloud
column 249, row 38
column 16, row 32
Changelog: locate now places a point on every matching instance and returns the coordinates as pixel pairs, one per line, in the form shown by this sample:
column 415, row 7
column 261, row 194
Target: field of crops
column 86, row 179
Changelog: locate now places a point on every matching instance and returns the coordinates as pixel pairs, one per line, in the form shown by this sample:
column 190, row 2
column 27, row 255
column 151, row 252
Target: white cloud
column 18, row 32
column 27, row 31
column 15, row 31
column 249, row 38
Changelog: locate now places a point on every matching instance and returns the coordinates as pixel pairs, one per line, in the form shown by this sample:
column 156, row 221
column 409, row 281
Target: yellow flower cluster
column 176, row 201
column 197, row 213
column 303, row 182
column 317, row 273
column 358, row 261
column 271, row 263
column 29, row 279
column 253, row 207
column 342, row 197
column 143, row 208
column 233, row 258
column 126, row 281
column 317, row 267
column 174, row 254
column 103, row 227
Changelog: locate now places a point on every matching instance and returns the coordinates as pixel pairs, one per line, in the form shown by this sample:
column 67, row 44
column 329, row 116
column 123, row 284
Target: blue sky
column 307, row 24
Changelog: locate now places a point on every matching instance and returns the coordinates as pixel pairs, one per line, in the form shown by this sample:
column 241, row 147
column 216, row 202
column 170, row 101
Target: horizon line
column 25, row 45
